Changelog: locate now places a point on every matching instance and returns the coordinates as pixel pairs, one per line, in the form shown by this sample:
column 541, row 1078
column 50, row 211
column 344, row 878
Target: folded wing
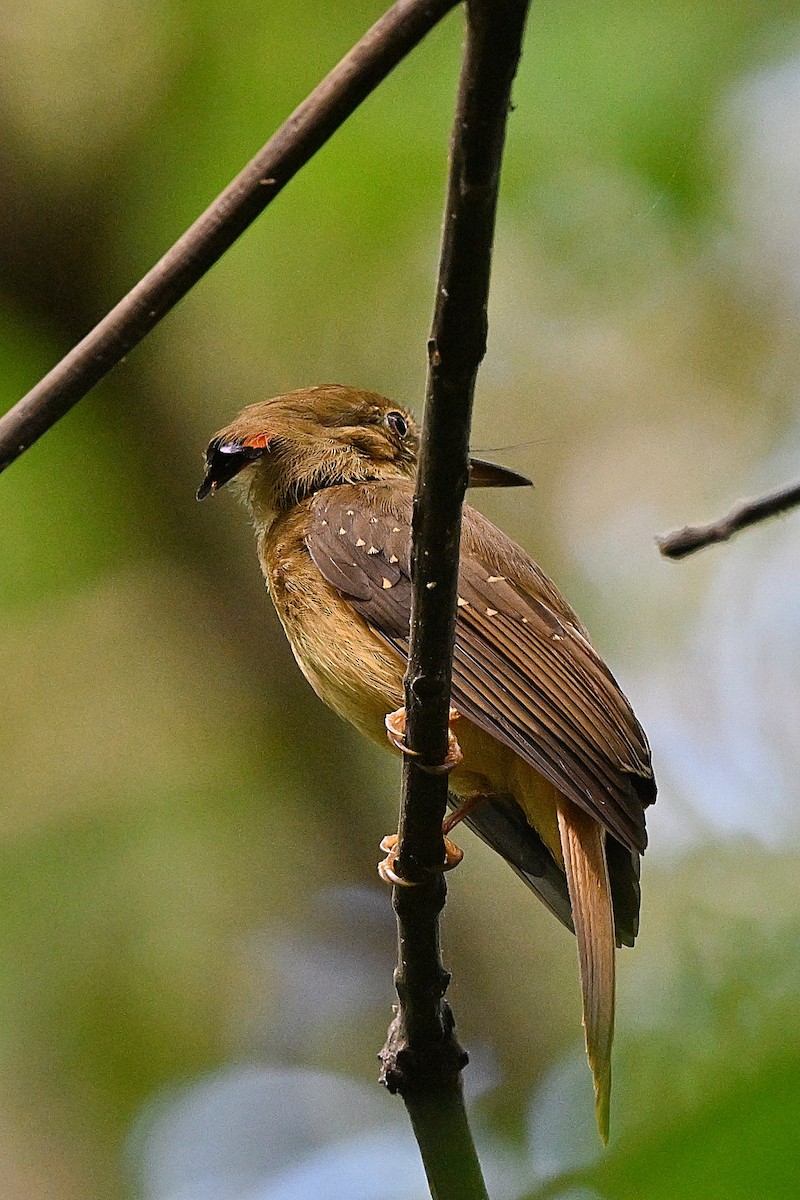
column 523, row 671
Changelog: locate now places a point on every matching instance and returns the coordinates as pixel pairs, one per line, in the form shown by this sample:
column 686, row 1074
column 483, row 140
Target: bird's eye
column 397, row 423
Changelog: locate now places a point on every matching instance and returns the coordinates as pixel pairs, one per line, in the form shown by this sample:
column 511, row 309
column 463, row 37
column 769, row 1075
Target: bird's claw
column 453, row 855
column 395, row 723
column 396, row 733
column 386, row 867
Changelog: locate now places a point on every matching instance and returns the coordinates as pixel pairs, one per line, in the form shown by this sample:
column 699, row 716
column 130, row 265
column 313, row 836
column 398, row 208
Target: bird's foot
column 396, row 733
column 453, row 855
column 386, row 867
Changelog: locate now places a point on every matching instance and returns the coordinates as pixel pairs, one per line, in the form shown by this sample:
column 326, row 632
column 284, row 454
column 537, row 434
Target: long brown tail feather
column 582, row 844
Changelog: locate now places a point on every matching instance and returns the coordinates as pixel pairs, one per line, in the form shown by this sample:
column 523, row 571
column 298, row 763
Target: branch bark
column 297, row 140
column 682, row 542
column 422, row 1058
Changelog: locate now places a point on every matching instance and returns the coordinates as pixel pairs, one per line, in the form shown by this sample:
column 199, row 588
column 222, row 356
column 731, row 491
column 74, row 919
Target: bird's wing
column 523, row 670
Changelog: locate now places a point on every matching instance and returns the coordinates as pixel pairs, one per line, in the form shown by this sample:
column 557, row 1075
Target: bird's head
column 282, row 450
column 285, row 449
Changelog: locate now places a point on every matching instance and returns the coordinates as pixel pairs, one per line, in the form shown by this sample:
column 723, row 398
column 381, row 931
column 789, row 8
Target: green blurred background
column 187, row 883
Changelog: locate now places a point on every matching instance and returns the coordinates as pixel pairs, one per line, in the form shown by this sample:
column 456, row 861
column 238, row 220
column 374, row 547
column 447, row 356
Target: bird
column 548, row 762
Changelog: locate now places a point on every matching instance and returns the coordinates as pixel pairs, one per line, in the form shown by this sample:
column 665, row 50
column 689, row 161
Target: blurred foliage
column 167, row 778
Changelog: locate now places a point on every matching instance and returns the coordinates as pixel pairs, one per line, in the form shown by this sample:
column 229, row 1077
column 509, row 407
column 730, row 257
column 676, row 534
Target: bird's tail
column 582, row 844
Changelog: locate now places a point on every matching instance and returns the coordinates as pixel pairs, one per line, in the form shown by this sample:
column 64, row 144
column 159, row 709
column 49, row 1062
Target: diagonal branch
column 685, row 541
column 297, row 140
column 422, row 1059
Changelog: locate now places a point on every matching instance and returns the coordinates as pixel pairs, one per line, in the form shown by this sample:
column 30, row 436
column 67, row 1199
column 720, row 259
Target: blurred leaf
column 740, row 1143
column 707, row 1093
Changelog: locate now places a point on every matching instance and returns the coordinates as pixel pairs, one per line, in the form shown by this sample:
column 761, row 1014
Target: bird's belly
column 349, row 667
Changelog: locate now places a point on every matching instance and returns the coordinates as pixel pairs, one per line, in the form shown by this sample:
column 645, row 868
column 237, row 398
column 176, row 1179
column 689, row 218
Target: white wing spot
column 491, row 612
column 496, row 579
column 393, row 558
column 524, row 620
column 343, row 530
column 350, row 512
column 395, row 529
column 462, row 603
column 360, row 542
column 387, row 583
column 323, row 522
column 430, row 586
column 373, row 520
column 372, row 550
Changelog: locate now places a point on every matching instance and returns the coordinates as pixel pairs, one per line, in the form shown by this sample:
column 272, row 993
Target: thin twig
column 306, row 130
column 422, row 1059
column 685, row 541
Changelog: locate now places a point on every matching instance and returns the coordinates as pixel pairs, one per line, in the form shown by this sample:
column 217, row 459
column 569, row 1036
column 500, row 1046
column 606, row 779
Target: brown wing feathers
column 521, row 672
column 542, row 721
column 366, row 556
column 569, row 672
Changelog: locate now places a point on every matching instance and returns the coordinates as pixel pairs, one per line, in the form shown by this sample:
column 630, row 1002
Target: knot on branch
column 432, row 1064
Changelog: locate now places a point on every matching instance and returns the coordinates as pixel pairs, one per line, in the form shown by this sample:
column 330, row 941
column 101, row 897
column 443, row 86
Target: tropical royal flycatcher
column 550, row 765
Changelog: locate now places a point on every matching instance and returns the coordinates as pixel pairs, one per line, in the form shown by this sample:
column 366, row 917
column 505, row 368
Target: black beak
column 488, row 474
column 223, row 461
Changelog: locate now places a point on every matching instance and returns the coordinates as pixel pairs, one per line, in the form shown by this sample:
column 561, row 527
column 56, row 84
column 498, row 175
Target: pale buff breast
column 349, row 667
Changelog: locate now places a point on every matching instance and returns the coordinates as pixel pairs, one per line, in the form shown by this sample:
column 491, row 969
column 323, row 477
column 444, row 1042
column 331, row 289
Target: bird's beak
column 226, row 459
column 488, row 474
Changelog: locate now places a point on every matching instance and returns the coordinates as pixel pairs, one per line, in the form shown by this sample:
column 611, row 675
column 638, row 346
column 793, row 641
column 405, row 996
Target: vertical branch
column 422, row 1058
